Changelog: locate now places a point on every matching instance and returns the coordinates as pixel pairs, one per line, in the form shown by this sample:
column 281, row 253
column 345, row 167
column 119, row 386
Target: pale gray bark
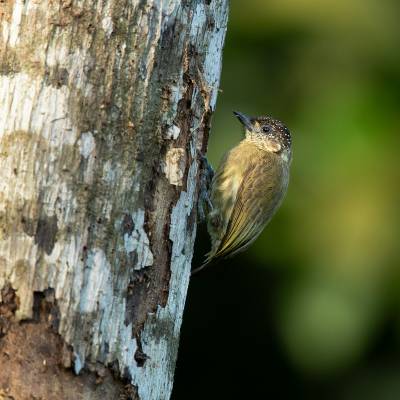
column 103, row 106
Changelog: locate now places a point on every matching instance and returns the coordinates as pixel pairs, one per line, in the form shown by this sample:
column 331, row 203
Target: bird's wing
column 257, row 198
column 223, row 197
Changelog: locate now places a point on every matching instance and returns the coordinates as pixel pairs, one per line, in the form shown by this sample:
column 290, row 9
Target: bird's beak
column 244, row 119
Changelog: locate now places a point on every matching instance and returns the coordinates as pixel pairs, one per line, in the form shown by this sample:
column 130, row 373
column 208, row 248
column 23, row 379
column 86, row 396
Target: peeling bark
column 103, row 106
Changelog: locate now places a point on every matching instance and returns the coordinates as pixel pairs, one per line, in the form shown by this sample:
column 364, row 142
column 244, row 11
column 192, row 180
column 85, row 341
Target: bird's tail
column 202, row 266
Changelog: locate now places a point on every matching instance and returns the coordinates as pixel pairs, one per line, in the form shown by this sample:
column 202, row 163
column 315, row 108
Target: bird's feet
column 204, row 205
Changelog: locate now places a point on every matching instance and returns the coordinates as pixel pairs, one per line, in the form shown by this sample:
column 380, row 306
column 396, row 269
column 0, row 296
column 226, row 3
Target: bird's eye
column 266, row 128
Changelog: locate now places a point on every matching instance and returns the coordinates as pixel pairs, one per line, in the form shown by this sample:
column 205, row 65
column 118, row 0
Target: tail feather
column 202, row 266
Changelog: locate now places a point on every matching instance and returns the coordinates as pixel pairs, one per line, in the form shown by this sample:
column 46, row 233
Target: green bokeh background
column 314, row 304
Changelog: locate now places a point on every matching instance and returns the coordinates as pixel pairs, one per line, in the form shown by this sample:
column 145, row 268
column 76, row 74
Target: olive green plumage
column 248, row 186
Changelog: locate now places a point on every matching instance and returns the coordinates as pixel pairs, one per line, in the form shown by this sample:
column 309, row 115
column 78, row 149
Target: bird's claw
column 206, row 175
column 205, row 166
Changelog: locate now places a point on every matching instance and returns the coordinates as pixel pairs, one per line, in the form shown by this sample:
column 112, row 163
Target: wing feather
column 257, row 198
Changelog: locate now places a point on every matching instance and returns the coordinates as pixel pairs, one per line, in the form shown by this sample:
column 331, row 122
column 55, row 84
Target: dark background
column 312, row 309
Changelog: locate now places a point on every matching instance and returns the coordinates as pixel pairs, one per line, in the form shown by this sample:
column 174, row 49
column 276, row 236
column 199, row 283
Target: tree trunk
column 103, row 106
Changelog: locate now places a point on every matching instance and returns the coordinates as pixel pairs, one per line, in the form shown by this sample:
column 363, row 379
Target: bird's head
column 267, row 133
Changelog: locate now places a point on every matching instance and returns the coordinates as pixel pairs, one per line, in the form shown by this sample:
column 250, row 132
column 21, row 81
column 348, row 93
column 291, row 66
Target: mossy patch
column 6, row 7
column 19, row 59
column 9, row 63
column 26, row 153
column 46, row 233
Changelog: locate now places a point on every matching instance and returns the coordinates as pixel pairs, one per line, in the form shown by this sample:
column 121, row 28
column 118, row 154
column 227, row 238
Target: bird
column 248, row 187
